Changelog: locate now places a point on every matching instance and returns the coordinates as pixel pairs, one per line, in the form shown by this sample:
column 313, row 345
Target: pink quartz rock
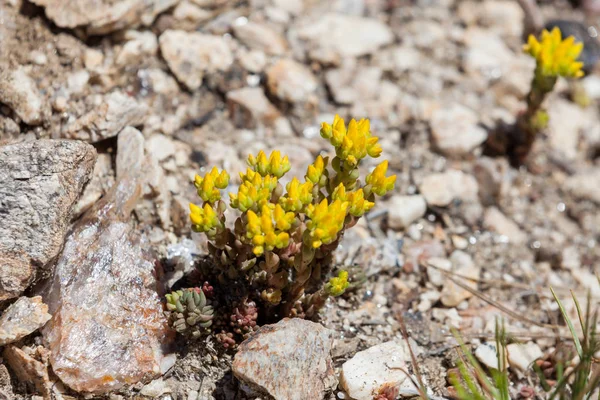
column 108, row 326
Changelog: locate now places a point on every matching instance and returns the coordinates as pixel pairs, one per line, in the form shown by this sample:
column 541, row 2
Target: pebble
column 486, row 353
column 249, row 107
column 521, row 356
column 441, row 189
column 139, row 44
column 161, row 147
column 20, row 92
column 30, row 364
column 584, row 185
column 24, row 316
column 567, row 121
column 404, row 210
column 130, row 151
column 295, row 351
column 258, row 36
column 191, row 55
column 369, row 370
column 156, row 388
column 455, row 130
column 291, row 81
column 464, row 267
column 495, row 221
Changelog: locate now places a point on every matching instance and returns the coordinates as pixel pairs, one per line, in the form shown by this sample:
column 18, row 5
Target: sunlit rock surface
column 108, row 327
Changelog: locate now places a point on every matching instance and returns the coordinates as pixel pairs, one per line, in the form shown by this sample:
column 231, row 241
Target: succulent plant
column 189, row 311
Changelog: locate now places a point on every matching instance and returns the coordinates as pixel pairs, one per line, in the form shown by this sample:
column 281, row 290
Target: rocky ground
column 155, row 91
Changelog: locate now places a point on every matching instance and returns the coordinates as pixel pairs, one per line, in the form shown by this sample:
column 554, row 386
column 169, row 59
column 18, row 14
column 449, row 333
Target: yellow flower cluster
column 209, row 185
column 298, row 195
column 554, row 56
column 358, row 205
column 275, row 165
column 351, row 144
column 203, row 218
column 254, row 192
column 378, row 182
column 267, row 230
column 326, row 221
column 337, row 285
column 315, row 171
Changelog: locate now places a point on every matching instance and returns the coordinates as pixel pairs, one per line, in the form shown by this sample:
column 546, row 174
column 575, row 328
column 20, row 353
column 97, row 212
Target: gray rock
column 404, row 210
column 107, row 328
column 192, row 55
column 332, row 37
column 24, row 316
column 291, row 81
column 249, row 107
column 115, row 113
column 20, row 92
column 260, row 37
column 495, row 221
column 39, row 183
column 289, row 360
column 441, row 189
column 139, row 44
column 130, row 151
column 462, row 265
column 455, row 130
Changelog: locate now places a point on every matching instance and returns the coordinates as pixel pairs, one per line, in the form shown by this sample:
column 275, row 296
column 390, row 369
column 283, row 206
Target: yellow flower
column 337, row 285
column 315, row 171
column 203, row 219
column 262, row 231
column 326, row 221
column 298, row 195
column 209, row 185
column 378, row 182
column 354, row 143
column 554, row 56
column 275, row 165
column 254, row 192
column 358, row 206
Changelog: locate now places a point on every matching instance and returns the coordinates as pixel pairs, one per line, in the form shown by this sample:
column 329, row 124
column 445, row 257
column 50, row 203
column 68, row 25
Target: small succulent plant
column 278, row 252
column 189, row 311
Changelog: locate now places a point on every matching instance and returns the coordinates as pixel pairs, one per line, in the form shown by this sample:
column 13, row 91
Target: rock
column 162, row 147
column 30, row 365
column 380, row 366
column 521, row 356
column 252, row 60
column 24, row 316
column 464, row 267
column 130, row 151
column 486, row 353
column 116, row 111
column 261, row 37
column 139, row 44
column 349, row 84
column 487, row 55
column 192, row 55
column 107, row 328
column 101, row 181
column 455, row 130
column 570, row 258
column 567, row 121
column 39, row 183
column 249, row 107
column 296, row 352
column 435, row 266
column 291, row 81
column 155, row 389
column 20, row 92
column 190, row 14
column 332, row 37
column 441, row 189
column 584, row 185
column 404, row 210
column 76, row 83
column 495, row 221
column 104, row 16
column 494, row 177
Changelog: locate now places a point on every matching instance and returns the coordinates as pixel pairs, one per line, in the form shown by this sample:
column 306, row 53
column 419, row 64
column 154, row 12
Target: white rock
column 591, row 84
column 521, row 356
column 260, row 37
column 405, row 58
column 567, row 120
column 252, row 60
column 249, row 107
column 139, row 44
column 464, row 267
column 487, row 54
column 486, row 353
column 20, row 92
column 191, row 55
column 130, row 151
column 21, row 318
column 435, row 266
column 186, row 11
column 77, row 81
column 370, row 369
column 335, row 36
column 291, row 81
column 455, row 130
column 570, row 258
column 495, row 221
column 584, row 185
column 155, row 388
column 161, row 146
column 404, row 210
column 441, row 189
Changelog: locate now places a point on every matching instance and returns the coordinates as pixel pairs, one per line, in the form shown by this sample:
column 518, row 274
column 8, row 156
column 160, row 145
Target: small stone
column 486, row 353
column 39, row 183
column 465, row 269
column 30, row 365
column 253, row 60
column 584, row 185
column 291, row 81
column 521, row 356
column 404, row 210
column 369, row 370
column 77, row 82
column 191, row 13
column 60, row 104
column 494, row 177
column 156, row 388
column 455, row 130
column 567, row 121
column 441, row 189
column 570, row 258
column 38, row 58
column 435, row 266
column 161, row 147
column 130, row 151
column 191, row 55
column 24, row 316
column 295, row 351
column 139, row 44
column 92, row 59
column 116, row 111
column 350, row 84
column 249, row 107
column 260, row 37
column 495, row 221
column 20, row 92
column 332, row 37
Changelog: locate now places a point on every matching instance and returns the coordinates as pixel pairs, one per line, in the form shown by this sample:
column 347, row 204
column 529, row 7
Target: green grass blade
column 570, row 324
